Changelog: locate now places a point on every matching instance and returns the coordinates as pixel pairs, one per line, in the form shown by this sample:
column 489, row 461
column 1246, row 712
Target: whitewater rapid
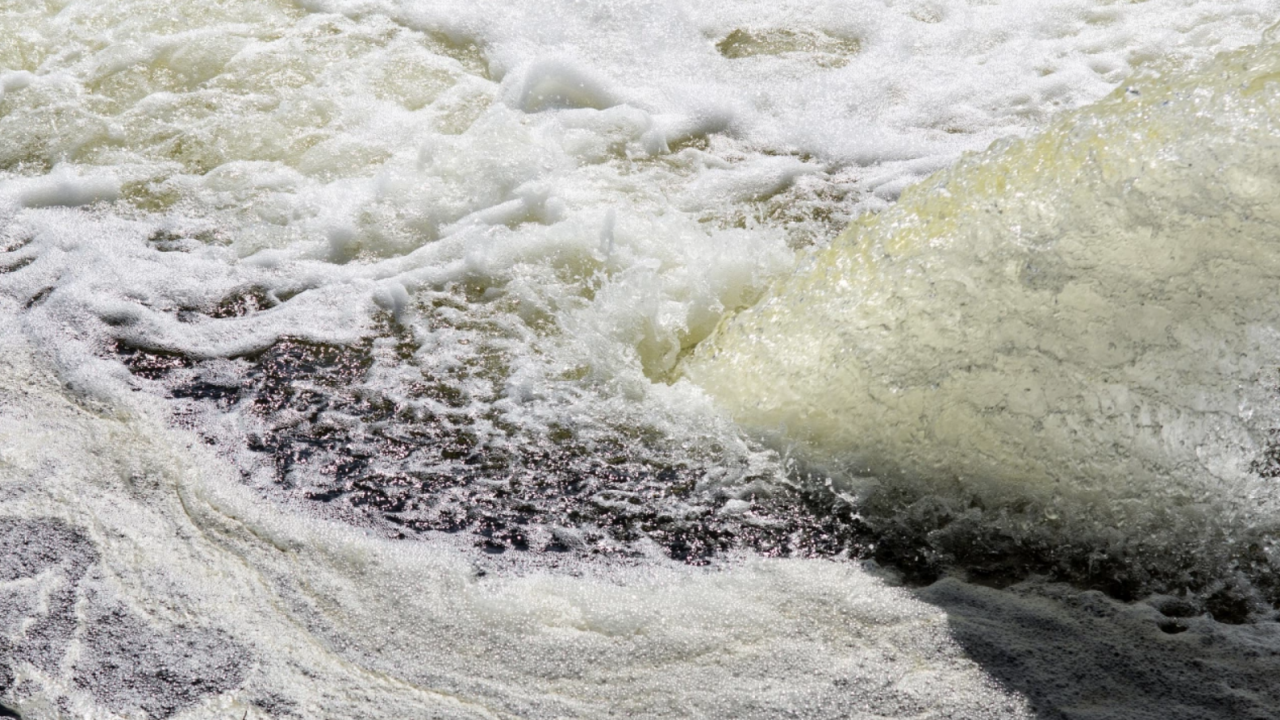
column 1078, row 329
column 355, row 362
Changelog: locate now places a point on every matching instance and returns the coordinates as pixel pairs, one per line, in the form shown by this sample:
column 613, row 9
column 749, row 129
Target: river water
column 392, row 358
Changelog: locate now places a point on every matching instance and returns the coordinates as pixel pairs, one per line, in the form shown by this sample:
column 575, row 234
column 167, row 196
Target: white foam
column 609, row 180
column 333, row 618
column 63, row 187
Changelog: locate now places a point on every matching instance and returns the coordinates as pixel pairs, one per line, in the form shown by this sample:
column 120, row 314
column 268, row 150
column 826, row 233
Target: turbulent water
column 417, row 359
column 1077, row 331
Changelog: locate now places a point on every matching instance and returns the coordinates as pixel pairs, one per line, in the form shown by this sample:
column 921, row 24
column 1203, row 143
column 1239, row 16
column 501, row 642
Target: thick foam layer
column 534, row 226
column 1084, row 321
column 428, row 270
column 141, row 578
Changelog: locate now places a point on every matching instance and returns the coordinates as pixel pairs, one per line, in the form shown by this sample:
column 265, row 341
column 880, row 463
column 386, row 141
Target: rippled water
column 404, row 359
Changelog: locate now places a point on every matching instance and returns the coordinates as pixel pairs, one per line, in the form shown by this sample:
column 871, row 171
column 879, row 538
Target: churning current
column 396, row 358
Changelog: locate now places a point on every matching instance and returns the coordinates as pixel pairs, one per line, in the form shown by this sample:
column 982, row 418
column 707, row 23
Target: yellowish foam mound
column 1092, row 310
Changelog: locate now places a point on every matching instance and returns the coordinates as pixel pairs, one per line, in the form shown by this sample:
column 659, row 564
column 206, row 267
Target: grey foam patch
column 130, row 664
column 276, row 705
column 16, row 603
column 6, row 673
column 49, row 597
column 46, row 639
column 1083, row 656
column 29, row 546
